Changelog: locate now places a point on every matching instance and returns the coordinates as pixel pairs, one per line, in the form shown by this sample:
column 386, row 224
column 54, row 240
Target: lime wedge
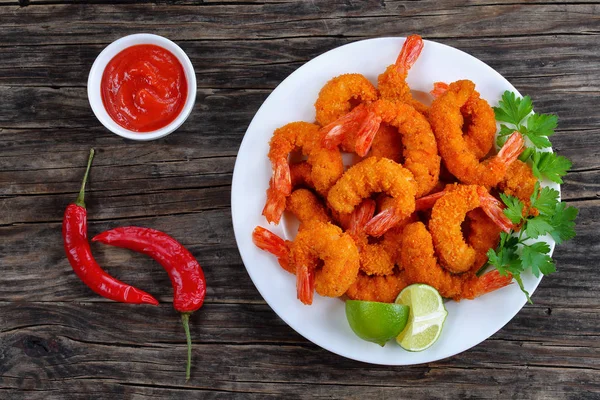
column 376, row 322
column 426, row 319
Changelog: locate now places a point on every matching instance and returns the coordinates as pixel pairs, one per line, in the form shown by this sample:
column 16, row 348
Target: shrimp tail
column 409, row 54
column 512, row 148
column 281, row 177
column 439, row 88
column 266, row 240
column 427, row 202
column 366, row 133
column 494, row 209
column 382, row 222
column 305, row 284
column 334, row 135
column 491, row 281
column 360, row 216
column 335, row 132
column 275, row 204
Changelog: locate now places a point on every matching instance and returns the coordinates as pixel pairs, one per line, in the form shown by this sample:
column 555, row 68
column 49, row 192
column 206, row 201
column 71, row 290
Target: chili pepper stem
column 81, row 195
column 185, row 319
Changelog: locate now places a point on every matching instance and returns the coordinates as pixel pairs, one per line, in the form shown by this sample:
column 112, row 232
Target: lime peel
column 376, row 322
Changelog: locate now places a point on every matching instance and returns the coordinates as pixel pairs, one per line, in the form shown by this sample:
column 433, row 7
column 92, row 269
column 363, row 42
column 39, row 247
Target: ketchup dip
column 144, row 88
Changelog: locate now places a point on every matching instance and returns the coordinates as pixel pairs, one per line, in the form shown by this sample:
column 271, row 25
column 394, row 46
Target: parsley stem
column 521, row 233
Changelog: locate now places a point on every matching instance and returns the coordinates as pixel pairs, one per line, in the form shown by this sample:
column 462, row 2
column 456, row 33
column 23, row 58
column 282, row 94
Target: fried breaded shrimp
column 387, row 143
column 341, row 94
column 379, row 279
column 392, row 83
column 490, row 205
column 392, row 239
column 519, row 181
column 300, row 175
column 266, row 240
column 446, row 121
column 482, row 234
column 339, row 256
column 447, row 215
column 384, row 289
column 326, row 165
column 374, row 257
column 374, row 175
column 306, row 207
column 420, row 266
column 356, row 130
column 420, row 147
column 479, row 125
column 375, row 260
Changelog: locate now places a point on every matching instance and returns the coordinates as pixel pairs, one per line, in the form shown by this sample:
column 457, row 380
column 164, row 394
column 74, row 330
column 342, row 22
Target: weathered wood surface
column 58, row 340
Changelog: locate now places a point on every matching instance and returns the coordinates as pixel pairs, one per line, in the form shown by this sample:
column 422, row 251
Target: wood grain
column 270, row 354
column 93, row 23
column 58, row 340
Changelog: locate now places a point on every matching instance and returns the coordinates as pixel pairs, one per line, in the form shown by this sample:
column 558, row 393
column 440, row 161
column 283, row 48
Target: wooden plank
column 58, row 355
column 582, row 184
column 200, row 3
column 425, row 388
column 265, row 63
column 33, row 107
column 83, row 23
column 39, row 149
column 121, row 175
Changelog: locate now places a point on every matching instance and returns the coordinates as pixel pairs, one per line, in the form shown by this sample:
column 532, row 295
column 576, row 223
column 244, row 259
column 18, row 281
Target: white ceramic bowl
column 95, row 78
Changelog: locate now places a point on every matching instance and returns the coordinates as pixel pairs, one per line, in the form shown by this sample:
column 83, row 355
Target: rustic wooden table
column 58, row 340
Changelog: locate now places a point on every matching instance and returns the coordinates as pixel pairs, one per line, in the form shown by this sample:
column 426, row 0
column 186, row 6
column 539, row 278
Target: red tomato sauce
column 144, row 88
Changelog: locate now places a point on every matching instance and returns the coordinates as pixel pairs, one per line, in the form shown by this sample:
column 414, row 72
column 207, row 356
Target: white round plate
column 469, row 322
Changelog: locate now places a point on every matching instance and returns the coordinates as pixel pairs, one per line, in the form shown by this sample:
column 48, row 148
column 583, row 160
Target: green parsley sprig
column 518, row 115
column 516, row 253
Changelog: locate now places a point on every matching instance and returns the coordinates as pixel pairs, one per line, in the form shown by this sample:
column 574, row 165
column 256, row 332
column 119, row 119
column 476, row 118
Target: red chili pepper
column 187, row 277
column 80, row 257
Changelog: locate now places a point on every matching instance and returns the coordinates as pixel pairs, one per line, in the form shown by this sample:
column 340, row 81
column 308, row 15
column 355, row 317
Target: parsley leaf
column 514, row 208
column 563, row 222
column 517, row 113
column 513, row 109
column 536, row 256
column 541, row 126
column 549, row 165
column 539, row 142
column 505, row 258
column 544, row 200
column 536, row 227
